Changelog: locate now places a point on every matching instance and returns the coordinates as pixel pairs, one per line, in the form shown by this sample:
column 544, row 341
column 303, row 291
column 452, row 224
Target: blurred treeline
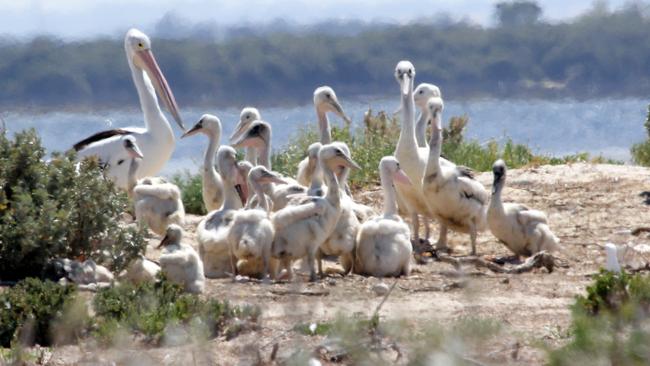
column 599, row 54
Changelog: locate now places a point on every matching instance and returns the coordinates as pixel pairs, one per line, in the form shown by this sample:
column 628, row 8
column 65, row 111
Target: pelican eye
column 327, row 95
column 140, row 45
column 421, row 92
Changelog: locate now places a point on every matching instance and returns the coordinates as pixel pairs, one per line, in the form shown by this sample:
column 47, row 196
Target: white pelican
column 421, row 96
column 157, row 138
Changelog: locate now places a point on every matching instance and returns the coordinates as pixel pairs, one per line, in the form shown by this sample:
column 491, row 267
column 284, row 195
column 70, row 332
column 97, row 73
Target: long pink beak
column 402, row 178
column 160, row 84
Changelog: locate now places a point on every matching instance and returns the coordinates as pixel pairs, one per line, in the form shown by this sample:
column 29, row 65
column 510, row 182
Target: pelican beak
column 339, row 110
column 164, row 242
column 247, row 139
column 194, row 130
column 239, row 129
column 404, row 80
column 146, row 60
column 240, row 183
column 270, row 177
column 134, row 152
column 400, row 177
column 348, row 162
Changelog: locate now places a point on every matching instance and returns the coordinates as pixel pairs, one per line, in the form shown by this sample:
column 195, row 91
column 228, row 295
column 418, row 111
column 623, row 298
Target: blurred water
column 608, row 127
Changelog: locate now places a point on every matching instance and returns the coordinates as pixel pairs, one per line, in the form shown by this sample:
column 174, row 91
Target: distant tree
column 518, row 13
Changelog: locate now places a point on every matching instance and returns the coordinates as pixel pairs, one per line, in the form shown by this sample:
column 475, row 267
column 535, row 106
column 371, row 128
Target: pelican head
column 335, row 157
column 404, row 73
column 258, row 135
column 261, row 175
column 139, row 55
column 232, row 171
column 390, row 165
column 435, row 106
column 325, row 100
column 312, row 150
column 173, row 235
column 246, row 117
column 208, row 124
column 424, row 92
column 499, row 171
column 131, row 147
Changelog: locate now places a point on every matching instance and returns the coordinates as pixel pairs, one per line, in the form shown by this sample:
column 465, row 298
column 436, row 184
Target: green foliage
column 154, row 309
column 29, row 309
column 599, row 54
column 641, row 151
column 191, row 186
column 55, row 209
column 610, row 324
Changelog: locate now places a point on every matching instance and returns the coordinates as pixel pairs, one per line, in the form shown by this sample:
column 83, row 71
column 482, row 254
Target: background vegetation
column 57, row 209
column 599, row 54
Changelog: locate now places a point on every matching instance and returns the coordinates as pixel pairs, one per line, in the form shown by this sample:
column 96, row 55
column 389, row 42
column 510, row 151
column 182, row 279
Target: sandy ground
column 588, row 205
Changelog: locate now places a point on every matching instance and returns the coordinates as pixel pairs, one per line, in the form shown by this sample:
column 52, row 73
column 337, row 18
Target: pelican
column 421, row 96
column 156, row 139
column 246, row 117
column 325, row 101
column 212, row 187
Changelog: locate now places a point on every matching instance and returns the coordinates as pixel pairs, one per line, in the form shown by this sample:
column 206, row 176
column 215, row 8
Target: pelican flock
column 312, row 216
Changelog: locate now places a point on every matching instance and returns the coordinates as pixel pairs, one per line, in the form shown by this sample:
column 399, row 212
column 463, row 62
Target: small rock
column 241, row 279
column 505, row 281
column 331, row 282
column 380, row 289
column 314, row 362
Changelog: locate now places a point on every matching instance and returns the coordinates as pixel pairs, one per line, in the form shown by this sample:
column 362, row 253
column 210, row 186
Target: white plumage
column 156, row 139
column 140, row 270
column 300, row 230
column 180, row 262
column 421, row 96
column 212, row 231
column 158, row 204
column 247, row 116
column 524, row 231
column 383, row 243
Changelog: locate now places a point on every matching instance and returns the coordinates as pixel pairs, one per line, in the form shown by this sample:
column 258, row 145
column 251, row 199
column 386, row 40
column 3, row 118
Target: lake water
column 608, row 127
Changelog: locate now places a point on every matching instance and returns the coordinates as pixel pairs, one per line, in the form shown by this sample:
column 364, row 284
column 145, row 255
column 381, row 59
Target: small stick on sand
column 541, row 259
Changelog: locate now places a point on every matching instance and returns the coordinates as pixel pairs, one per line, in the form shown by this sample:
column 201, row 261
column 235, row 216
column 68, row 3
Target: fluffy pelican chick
column 180, row 262
column 300, row 230
column 524, row 231
column 212, row 231
column 383, row 243
column 251, row 233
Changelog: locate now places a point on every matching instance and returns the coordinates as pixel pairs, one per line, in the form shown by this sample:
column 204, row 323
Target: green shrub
column 191, row 186
column 641, row 151
column 610, row 325
column 29, row 309
column 151, row 309
column 55, row 209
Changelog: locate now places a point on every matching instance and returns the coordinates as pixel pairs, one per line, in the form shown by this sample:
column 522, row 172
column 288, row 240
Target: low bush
column 30, row 309
column 641, row 151
column 157, row 310
column 191, row 186
column 57, row 209
column 610, row 325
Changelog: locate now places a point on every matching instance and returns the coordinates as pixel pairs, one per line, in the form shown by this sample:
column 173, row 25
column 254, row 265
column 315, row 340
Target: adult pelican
column 156, row 139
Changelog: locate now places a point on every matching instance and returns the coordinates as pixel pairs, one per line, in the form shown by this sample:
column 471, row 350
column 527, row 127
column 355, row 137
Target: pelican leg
column 427, row 229
column 319, row 259
column 312, row 271
column 415, row 221
column 442, row 239
column 286, row 263
column 472, row 236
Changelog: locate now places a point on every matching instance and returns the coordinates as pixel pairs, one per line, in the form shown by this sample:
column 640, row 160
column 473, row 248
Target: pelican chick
column 524, row 231
column 212, row 187
column 180, row 262
column 383, row 243
column 459, row 202
column 212, row 231
column 251, row 233
column 247, row 116
column 300, row 230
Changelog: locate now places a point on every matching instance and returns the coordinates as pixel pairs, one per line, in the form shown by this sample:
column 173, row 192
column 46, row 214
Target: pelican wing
column 473, row 190
column 310, row 206
column 99, row 136
column 526, row 216
column 162, row 191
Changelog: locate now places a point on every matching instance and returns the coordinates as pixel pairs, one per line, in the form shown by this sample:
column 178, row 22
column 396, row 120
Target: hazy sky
column 88, row 18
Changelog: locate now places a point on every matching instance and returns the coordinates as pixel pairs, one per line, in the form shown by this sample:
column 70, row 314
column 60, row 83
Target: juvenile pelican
column 246, row 117
column 421, row 96
column 157, row 138
column 212, row 188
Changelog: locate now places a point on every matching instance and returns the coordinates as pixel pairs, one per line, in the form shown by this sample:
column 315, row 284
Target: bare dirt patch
column 588, row 205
